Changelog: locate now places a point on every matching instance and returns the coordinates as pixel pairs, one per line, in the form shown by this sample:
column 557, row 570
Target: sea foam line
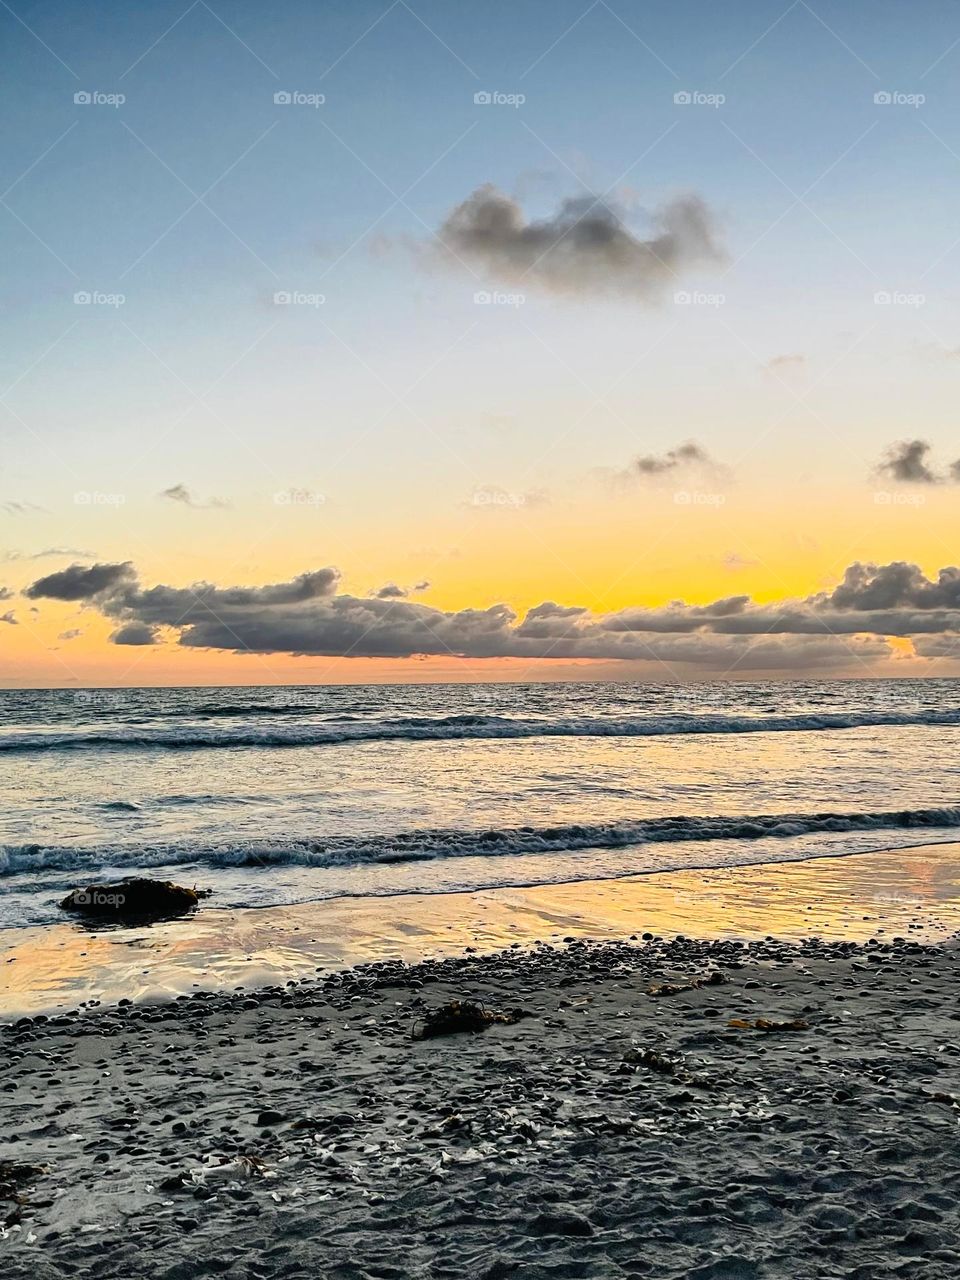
column 438, row 843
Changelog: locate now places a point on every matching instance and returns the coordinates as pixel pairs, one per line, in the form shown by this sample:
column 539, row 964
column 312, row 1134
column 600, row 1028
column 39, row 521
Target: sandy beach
column 662, row 1107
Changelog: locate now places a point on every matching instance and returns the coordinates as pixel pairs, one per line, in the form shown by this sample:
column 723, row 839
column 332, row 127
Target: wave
column 432, row 844
column 451, row 728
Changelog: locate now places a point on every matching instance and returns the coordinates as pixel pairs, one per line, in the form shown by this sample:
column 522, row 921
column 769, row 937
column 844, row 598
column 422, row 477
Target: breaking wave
column 427, row 845
column 448, row 728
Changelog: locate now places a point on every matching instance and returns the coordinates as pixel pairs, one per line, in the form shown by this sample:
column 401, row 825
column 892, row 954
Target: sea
column 280, row 795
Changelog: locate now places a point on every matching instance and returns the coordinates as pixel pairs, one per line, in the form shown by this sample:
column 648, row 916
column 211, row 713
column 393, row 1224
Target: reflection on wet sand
column 915, row 890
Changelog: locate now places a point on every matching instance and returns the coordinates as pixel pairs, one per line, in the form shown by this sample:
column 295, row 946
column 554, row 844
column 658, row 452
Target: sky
column 389, row 341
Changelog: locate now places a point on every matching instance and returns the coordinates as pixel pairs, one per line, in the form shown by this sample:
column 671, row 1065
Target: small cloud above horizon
column 179, row 493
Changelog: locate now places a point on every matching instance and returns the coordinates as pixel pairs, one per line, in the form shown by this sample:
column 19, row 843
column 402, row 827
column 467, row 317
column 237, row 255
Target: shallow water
column 276, row 796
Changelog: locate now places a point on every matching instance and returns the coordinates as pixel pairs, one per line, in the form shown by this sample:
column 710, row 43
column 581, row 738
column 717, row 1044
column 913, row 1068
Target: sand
column 301, row 1132
column 59, row 967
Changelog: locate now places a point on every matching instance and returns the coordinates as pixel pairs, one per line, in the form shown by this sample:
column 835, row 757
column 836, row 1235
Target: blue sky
column 199, row 198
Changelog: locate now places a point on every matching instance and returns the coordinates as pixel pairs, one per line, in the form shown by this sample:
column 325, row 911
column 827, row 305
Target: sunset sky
column 672, row 318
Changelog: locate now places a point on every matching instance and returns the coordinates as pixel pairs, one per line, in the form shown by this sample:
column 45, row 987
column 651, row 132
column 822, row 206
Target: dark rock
column 134, row 899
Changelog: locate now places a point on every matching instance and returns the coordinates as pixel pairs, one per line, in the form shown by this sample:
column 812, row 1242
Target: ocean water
column 279, row 795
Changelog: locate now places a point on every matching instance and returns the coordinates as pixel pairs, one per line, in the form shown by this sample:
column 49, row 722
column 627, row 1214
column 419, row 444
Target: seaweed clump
column 459, row 1016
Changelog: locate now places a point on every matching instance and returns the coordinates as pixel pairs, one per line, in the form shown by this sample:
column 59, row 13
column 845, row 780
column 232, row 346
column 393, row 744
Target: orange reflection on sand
column 915, row 891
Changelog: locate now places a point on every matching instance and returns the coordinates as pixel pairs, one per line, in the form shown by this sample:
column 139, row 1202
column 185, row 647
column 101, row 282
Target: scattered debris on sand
column 714, row 979
column 462, row 1015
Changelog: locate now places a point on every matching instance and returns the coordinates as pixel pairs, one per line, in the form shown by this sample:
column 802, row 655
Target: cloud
column 181, row 494
column 684, row 459
column 893, row 586
column 784, row 363
column 72, row 634
column 9, row 618
column 136, row 633
column 390, row 591
column 10, row 557
column 906, row 463
column 6, row 593
column 79, row 583
column 308, row 615
column 19, row 508
column 684, row 455
column 585, row 249
column 733, row 561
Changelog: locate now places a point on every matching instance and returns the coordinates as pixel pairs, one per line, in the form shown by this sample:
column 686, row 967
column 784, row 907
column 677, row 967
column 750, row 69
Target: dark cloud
column 136, row 633
column 79, row 583
column 906, row 463
column 308, row 616
column 391, row 591
column 9, row 618
column 944, row 646
column 181, row 494
column 72, row 634
column 6, row 593
column 685, row 455
column 893, row 586
column 584, row 249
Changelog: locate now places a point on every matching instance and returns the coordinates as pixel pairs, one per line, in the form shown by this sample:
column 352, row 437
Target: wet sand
column 914, row 891
column 612, row 1131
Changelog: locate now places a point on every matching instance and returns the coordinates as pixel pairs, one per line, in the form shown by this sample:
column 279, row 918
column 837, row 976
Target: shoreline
column 52, row 968
column 669, row 1108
